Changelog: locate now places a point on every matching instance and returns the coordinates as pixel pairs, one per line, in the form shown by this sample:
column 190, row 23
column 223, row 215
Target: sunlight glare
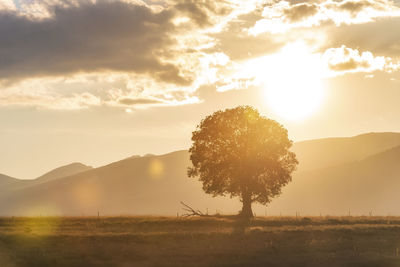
column 292, row 79
column 156, row 169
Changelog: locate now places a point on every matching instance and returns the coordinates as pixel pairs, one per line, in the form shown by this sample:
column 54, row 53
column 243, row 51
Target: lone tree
column 243, row 154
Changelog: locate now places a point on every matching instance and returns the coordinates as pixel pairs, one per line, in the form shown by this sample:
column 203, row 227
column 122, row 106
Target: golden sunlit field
column 205, row 241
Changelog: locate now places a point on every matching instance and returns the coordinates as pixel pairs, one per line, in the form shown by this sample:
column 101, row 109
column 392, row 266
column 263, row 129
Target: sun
column 292, row 81
column 294, row 88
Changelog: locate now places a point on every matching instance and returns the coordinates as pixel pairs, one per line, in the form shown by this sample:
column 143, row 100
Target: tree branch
column 190, row 211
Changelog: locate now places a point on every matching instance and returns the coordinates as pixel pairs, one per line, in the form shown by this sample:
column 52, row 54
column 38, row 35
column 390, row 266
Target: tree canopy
column 238, row 152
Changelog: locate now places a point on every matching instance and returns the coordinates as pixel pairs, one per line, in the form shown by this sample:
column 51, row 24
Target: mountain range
column 358, row 175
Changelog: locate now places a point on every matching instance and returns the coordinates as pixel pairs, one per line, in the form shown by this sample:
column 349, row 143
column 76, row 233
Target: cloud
column 354, row 6
column 282, row 16
column 202, row 12
column 90, row 37
column 142, row 103
column 82, row 91
column 138, row 101
column 119, row 51
column 297, row 61
column 48, row 101
column 300, row 11
column 239, row 45
column 7, row 5
column 72, row 54
column 345, row 59
column 381, row 37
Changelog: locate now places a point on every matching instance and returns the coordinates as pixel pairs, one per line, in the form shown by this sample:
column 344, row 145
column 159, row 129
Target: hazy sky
column 98, row 81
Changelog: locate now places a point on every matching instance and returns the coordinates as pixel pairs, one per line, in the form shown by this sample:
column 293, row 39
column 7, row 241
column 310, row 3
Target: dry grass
column 167, row 241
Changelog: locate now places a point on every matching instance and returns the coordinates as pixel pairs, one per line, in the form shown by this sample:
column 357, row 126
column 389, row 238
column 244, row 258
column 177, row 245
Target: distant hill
column 320, row 153
column 360, row 187
column 6, row 181
column 146, row 185
column 360, row 174
column 63, row 171
column 9, row 184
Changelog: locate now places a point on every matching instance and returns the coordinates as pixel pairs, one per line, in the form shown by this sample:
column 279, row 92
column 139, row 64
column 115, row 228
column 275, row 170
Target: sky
column 97, row 81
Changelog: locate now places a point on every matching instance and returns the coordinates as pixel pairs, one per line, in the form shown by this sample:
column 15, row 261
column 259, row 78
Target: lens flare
column 156, row 169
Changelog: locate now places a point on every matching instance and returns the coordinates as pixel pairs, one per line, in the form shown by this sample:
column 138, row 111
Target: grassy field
column 167, row 241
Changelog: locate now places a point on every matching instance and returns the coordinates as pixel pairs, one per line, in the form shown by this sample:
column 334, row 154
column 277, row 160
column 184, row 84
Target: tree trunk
column 246, row 209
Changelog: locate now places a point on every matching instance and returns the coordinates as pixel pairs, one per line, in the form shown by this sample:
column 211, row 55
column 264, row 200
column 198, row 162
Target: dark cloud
column 348, row 65
column 239, row 45
column 202, row 11
column 301, row 11
column 243, row 46
column 138, row 101
column 355, row 7
column 86, row 38
column 385, row 41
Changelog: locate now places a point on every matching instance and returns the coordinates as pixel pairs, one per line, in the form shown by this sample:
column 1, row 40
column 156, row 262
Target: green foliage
column 240, row 153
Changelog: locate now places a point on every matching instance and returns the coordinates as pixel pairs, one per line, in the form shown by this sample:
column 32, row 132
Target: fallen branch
column 190, row 211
